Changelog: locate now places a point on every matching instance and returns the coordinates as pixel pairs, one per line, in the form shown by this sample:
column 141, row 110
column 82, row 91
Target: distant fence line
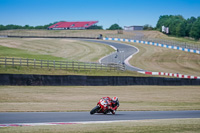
column 60, row 65
column 157, row 40
column 172, row 43
column 155, row 44
column 49, row 34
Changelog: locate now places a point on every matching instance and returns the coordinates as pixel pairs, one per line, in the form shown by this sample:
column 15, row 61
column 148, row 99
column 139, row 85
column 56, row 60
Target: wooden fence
column 61, row 65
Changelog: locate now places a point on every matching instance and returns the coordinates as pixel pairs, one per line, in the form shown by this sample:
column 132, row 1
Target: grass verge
column 84, row 98
column 52, row 71
column 46, row 48
column 14, row 52
column 137, row 126
column 158, row 59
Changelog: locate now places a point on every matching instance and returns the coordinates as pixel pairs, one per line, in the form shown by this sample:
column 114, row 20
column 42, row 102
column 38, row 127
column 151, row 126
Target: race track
column 45, row 117
column 121, row 55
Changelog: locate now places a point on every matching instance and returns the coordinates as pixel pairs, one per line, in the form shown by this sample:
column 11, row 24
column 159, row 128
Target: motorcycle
column 103, row 106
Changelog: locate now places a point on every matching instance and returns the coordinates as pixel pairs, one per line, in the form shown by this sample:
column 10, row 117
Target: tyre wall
column 78, row 80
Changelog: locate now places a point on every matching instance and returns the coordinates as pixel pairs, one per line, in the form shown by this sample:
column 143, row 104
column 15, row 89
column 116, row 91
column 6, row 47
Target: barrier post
column 27, row 61
column 73, row 65
column 34, row 63
column 13, row 62
column 20, row 62
column 48, row 63
column 41, row 63
column 66, row 65
column 5, row 61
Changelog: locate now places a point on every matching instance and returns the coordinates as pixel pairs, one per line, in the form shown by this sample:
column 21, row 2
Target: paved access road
column 121, row 55
column 38, row 117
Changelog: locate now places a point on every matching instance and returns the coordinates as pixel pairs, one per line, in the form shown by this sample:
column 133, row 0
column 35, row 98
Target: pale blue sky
column 107, row 12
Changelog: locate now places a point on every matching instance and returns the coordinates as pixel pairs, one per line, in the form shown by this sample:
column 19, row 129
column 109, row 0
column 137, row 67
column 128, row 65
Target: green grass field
column 52, row 71
column 15, row 52
column 54, row 49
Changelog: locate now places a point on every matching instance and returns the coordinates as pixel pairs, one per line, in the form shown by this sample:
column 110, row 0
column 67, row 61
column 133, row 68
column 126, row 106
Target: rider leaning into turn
column 115, row 104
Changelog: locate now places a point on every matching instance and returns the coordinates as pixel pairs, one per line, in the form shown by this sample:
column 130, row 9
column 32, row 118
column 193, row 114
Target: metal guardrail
column 157, row 40
column 60, row 65
column 174, row 43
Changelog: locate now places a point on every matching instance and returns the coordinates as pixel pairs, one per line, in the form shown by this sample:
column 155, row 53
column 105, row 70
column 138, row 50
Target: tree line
column 12, row 26
column 178, row 26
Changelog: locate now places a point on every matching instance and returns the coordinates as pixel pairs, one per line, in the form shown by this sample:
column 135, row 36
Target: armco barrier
column 78, row 80
column 154, row 44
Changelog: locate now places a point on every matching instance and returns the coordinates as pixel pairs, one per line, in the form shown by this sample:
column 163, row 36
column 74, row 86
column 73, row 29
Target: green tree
column 189, row 23
column 175, row 23
column 180, row 29
column 147, row 27
column 164, row 20
column 26, row 27
column 96, row 27
column 195, row 30
column 115, row 27
column 39, row 27
column 2, row 27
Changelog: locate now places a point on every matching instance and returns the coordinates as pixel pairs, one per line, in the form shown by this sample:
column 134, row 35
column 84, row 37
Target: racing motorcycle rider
column 114, row 105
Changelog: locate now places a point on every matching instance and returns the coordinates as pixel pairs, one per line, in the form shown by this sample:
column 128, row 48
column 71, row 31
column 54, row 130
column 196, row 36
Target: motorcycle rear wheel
column 94, row 110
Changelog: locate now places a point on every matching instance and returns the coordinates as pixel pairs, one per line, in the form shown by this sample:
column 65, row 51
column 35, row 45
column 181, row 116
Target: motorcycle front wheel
column 94, row 110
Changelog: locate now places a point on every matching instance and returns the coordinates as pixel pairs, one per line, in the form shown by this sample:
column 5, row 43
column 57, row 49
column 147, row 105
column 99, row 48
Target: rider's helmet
column 115, row 99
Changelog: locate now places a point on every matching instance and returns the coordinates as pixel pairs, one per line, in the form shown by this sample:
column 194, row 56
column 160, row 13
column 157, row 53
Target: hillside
column 63, row 48
column 149, row 58
column 140, row 35
column 158, row 59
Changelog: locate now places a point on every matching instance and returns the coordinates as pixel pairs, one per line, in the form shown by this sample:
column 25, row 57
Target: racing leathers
column 114, row 106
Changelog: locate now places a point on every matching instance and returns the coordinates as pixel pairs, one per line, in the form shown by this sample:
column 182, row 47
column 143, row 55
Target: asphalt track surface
column 42, row 117
column 121, row 55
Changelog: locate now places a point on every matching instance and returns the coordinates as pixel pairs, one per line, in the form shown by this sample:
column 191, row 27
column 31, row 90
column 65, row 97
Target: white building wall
column 133, row 27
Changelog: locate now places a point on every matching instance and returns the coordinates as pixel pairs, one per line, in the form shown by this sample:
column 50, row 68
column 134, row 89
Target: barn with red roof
column 79, row 25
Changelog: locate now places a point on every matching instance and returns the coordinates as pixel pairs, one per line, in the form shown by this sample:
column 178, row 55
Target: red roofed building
column 72, row 25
